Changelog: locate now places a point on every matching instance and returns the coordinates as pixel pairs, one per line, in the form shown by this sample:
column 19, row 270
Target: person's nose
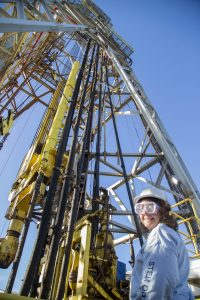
column 145, row 213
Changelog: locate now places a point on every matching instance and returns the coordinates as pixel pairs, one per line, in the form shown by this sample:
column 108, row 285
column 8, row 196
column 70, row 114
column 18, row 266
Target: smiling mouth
column 149, row 219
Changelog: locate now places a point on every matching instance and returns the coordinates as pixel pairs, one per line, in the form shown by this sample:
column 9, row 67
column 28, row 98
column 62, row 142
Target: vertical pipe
column 95, row 205
column 87, row 145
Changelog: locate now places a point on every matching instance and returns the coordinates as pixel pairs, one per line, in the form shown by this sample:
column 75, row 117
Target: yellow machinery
column 78, row 179
column 92, row 270
column 34, row 163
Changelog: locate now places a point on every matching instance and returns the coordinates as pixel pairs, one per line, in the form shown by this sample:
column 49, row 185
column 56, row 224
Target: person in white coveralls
column 162, row 265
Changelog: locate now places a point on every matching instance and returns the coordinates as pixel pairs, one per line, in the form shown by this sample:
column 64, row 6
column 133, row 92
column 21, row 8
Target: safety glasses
column 149, row 207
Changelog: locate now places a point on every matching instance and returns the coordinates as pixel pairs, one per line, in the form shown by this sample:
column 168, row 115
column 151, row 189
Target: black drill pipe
column 16, row 262
column 122, row 163
column 87, row 147
column 76, row 194
column 45, row 221
column 47, row 280
column 95, row 205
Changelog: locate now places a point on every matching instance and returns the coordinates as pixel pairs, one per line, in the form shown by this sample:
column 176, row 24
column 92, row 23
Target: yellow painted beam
column 99, row 289
column 57, row 124
column 81, row 287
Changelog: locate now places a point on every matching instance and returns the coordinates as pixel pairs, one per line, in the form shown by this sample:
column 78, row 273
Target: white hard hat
column 151, row 192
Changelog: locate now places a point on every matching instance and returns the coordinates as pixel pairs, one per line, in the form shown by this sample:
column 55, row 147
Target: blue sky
column 165, row 37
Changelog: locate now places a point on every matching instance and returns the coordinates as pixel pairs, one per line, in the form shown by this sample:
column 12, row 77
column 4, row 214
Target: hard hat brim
column 140, row 197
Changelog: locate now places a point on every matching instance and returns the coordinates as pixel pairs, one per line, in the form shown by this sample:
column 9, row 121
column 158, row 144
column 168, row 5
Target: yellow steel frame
column 190, row 238
column 82, row 235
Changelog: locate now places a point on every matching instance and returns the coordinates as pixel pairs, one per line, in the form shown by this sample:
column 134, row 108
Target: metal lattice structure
column 86, row 173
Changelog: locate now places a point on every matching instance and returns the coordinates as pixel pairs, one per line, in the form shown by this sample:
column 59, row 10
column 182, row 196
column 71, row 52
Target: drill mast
column 79, row 177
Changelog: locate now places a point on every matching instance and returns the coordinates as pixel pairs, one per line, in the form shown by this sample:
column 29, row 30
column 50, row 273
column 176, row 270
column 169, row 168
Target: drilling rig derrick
column 78, row 178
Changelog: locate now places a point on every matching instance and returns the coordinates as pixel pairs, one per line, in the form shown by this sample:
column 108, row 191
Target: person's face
column 150, row 221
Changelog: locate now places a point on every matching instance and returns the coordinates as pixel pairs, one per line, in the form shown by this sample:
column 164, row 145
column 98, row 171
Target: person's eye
column 151, row 206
